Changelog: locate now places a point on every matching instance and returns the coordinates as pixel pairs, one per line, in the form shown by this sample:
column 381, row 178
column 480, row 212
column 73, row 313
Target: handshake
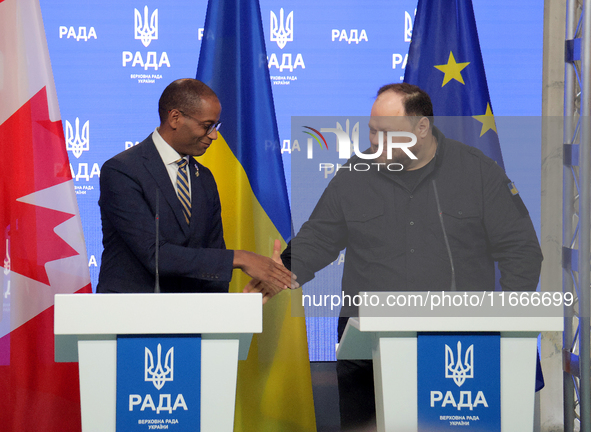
column 269, row 275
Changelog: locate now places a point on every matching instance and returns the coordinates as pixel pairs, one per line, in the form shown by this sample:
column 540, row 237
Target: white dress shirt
column 170, row 156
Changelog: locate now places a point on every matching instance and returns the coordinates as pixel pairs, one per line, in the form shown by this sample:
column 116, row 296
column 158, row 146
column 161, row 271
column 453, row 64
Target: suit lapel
column 197, row 196
column 155, row 166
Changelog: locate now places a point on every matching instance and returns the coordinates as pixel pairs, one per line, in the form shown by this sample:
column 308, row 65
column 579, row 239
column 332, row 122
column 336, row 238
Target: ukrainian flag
column 444, row 59
column 274, row 385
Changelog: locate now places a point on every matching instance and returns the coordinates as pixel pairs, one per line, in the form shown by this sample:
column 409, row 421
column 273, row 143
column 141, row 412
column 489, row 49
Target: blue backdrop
column 112, row 59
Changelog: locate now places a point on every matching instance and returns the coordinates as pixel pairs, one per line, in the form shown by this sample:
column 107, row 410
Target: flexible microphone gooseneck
column 451, row 261
column 157, row 245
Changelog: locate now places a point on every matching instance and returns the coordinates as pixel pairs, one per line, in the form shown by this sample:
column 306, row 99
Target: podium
column 86, row 328
column 391, row 342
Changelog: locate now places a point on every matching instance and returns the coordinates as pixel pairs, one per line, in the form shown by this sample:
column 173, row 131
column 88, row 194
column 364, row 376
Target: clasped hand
column 277, row 282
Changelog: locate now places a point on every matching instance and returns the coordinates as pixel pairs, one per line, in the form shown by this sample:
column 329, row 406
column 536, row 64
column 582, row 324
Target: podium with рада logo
column 453, row 368
column 156, row 361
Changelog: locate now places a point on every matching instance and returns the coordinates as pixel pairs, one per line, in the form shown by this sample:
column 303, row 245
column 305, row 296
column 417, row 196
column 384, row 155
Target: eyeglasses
column 209, row 129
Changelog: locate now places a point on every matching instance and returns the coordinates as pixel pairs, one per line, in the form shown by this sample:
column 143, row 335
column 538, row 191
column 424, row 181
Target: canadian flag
column 42, row 249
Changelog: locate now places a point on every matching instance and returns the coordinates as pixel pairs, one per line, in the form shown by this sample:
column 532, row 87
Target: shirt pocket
column 365, row 225
column 463, row 225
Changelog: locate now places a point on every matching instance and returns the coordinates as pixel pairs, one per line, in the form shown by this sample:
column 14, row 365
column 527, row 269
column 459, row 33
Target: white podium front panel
column 391, row 341
column 86, row 328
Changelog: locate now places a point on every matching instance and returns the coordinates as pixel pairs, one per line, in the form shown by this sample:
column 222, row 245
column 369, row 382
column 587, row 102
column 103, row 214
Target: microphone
column 157, row 245
column 451, row 261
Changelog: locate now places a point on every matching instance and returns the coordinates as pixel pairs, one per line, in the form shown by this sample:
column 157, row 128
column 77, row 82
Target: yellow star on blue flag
column 487, row 120
column 445, row 40
column 452, row 70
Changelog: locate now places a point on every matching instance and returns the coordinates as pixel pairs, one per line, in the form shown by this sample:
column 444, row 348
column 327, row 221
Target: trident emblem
column 458, row 371
column 77, row 143
column 144, row 32
column 281, row 33
column 159, row 375
column 408, row 23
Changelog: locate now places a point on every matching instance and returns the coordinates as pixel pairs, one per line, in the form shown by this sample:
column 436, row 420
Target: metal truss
column 577, row 217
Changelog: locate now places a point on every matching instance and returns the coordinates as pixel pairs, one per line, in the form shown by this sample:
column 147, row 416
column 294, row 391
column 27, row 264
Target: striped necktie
column 182, row 185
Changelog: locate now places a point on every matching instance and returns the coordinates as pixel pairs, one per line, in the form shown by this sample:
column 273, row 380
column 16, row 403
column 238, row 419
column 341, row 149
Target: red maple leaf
column 34, row 158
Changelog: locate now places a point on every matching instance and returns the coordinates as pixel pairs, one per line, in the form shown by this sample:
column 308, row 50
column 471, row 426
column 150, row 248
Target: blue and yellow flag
column 274, row 390
column 444, row 59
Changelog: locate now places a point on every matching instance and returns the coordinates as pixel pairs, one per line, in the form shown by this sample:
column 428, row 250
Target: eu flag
column 444, row 59
column 274, row 389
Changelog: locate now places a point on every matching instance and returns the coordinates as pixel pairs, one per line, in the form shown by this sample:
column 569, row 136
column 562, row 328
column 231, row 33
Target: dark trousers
column 356, row 391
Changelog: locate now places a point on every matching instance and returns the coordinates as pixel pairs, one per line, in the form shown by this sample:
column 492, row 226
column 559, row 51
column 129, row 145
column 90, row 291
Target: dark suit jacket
column 192, row 258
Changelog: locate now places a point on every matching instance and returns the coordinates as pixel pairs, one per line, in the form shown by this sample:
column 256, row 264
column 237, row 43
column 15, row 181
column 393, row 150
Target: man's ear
column 173, row 118
column 423, row 127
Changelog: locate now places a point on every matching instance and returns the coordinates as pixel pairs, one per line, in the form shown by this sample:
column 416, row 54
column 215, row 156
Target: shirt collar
column 167, row 153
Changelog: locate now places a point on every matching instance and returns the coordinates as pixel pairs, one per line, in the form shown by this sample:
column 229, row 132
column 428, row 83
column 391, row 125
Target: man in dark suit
column 161, row 176
column 436, row 221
